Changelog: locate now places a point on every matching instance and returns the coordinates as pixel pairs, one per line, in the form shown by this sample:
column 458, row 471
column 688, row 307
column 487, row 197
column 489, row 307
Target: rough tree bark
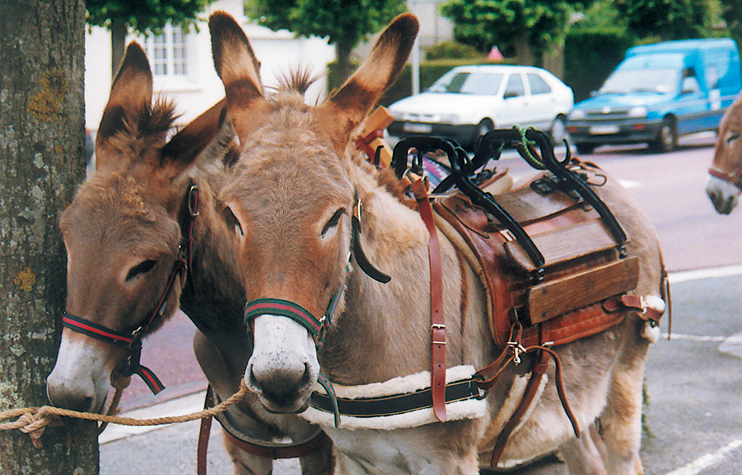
column 42, row 159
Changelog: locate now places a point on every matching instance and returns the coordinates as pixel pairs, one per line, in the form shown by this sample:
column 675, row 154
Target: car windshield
column 626, row 81
column 468, row 83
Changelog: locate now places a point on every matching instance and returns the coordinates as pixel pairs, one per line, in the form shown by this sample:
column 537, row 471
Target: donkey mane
column 298, row 80
column 144, row 130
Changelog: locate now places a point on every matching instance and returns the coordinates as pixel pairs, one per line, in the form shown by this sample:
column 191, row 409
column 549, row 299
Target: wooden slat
column 564, row 244
column 569, row 293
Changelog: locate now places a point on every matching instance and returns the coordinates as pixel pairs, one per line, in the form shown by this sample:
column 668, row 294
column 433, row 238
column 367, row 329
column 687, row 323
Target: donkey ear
column 352, row 102
column 183, row 149
column 239, row 70
column 131, row 93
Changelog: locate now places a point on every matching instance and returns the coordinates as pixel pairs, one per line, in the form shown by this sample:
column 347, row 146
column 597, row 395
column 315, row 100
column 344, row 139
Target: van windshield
column 468, row 83
column 626, row 81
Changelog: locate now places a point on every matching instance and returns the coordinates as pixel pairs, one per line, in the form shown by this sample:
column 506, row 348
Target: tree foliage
column 345, row 23
column 523, row 26
column 669, row 19
column 144, row 17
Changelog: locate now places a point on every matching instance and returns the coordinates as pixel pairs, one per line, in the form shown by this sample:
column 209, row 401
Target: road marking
column 712, row 273
column 698, row 338
column 709, row 460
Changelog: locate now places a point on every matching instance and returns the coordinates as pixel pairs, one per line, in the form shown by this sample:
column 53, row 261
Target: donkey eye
column 141, row 269
column 333, row 221
column 232, row 222
column 732, row 137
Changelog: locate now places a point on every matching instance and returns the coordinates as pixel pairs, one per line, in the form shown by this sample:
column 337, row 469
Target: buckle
column 193, row 200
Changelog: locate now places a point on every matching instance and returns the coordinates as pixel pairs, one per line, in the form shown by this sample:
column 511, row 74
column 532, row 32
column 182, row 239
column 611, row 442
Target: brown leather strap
column 203, row 434
column 438, row 324
column 539, row 369
column 285, row 451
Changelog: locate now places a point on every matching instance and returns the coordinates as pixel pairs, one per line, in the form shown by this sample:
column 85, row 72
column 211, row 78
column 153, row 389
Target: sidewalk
column 171, row 449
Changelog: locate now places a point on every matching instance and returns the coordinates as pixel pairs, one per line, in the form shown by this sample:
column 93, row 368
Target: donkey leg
column 621, row 421
column 585, row 456
column 320, row 462
column 247, row 464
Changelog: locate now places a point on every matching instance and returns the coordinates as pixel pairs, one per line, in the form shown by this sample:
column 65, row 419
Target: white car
column 468, row 101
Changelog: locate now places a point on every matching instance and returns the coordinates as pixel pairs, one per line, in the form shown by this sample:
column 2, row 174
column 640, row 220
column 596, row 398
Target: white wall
column 278, row 53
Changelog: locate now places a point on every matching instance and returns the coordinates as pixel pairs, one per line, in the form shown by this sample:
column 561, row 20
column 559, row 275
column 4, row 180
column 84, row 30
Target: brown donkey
column 145, row 234
column 303, row 201
column 725, row 173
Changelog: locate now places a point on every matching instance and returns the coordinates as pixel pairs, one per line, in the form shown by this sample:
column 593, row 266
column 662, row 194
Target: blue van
column 658, row 93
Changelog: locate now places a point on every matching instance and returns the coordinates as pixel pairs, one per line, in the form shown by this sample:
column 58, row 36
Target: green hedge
column 591, row 55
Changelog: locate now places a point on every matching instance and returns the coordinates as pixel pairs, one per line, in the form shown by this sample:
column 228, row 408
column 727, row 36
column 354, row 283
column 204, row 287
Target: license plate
column 417, row 128
column 604, row 129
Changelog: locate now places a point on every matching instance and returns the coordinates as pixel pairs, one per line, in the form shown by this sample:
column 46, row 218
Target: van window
column 625, row 81
column 538, row 85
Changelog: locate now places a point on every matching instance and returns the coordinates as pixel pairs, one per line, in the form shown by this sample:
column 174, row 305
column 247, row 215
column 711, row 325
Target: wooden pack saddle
column 583, row 265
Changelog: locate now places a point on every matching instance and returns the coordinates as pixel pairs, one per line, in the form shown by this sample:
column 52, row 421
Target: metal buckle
column 193, row 200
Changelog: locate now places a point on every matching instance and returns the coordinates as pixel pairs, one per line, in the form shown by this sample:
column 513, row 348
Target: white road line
column 709, row 460
column 712, row 273
column 697, row 338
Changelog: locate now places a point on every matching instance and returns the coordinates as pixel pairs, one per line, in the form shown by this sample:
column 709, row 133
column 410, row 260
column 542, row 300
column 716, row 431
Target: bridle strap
column 284, row 308
column 734, row 178
column 318, row 326
column 133, row 340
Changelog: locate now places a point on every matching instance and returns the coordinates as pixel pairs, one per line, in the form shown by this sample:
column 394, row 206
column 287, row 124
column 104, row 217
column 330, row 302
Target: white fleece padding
column 468, row 409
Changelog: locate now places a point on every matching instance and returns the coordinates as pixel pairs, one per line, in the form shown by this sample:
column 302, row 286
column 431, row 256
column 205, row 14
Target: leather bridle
column 318, row 326
column 133, row 340
column 733, row 178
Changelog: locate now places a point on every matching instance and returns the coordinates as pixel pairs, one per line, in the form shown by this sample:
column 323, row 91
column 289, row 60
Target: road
column 693, row 381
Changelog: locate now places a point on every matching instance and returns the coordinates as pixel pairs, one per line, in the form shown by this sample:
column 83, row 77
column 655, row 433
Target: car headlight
column 638, row 111
column 577, row 114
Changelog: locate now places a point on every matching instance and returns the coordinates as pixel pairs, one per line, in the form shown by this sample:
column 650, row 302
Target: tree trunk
column 553, row 60
column 118, row 45
column 42, row 159
column 342, row 54
column 523, row 50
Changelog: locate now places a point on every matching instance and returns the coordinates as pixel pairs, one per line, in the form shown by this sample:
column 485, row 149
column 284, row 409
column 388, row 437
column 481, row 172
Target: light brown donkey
column 145, row 234
column 302, row 199
column 725, row 174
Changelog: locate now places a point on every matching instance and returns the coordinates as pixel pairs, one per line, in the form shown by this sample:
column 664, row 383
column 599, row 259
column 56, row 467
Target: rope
column 33, row 421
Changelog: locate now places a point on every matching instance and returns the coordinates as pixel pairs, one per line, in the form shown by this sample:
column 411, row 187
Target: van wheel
column 667, row 138
column 585, row 148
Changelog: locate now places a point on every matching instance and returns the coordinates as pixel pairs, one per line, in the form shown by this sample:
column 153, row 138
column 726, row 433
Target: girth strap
column 260, row 448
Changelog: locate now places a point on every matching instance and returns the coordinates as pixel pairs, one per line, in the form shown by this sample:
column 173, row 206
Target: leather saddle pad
column 583, row 263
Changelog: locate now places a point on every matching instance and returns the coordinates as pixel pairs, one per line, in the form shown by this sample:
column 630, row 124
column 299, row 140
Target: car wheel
column 667, row 138
column 585, row 148
column 559, row 130
column 482, row 128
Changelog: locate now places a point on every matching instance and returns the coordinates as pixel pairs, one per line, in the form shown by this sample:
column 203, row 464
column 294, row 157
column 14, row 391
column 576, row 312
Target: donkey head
column 123, row 231
column 291, row 199
column 725, row 180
